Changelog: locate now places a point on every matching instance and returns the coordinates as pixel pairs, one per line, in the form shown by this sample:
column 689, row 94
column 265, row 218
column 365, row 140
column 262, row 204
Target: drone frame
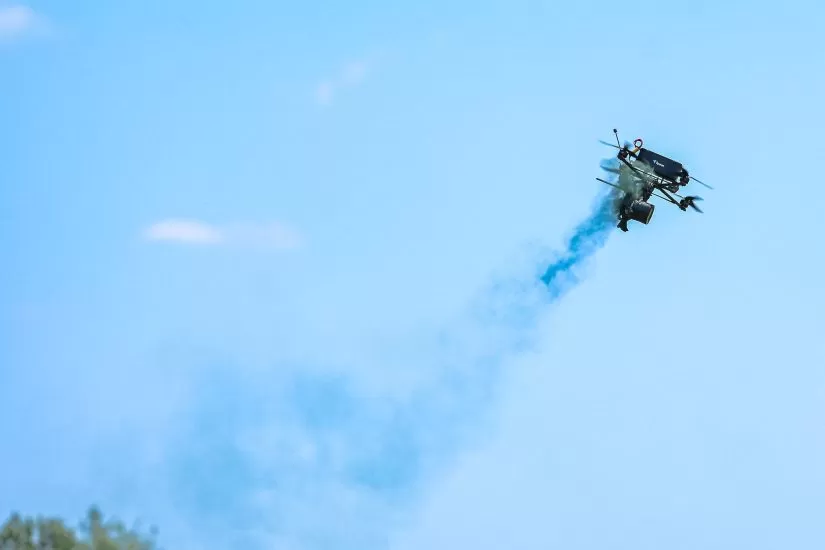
column 652, row 181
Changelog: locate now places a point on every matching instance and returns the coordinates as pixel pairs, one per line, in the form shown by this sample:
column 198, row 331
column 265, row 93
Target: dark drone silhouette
column 652, row 172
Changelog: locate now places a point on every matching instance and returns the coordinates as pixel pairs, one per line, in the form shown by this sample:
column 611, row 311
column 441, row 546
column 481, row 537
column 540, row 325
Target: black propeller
column 627, row 144
column 687, row 180
column 610, row 167
column 689, row 201
column 617, row 146
column 701, row 182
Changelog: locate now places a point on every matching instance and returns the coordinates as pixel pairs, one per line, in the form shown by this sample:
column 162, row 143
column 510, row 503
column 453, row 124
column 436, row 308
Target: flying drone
column 650, row 172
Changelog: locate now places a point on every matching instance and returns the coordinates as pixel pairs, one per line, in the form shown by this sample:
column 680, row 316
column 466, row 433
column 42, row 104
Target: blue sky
column 242, row 242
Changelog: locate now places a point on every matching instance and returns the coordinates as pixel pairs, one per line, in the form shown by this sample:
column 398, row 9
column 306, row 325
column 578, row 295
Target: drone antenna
column 616, row 133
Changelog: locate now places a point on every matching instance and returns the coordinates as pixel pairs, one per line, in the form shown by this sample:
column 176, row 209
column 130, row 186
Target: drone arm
column 668, row 198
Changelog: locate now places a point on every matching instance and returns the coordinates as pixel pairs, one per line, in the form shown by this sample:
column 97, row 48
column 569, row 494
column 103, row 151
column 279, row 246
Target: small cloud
column 355, row 72
column 18, row 21
column 324, row 93
column 351, row 74
column 272, row 235
column 184, row 231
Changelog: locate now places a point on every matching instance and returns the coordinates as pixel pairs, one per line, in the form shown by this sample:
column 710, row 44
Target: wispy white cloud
column 350, row 75
column 187, row 231
column 18, row 21
column 184, row 231
column 324, row 93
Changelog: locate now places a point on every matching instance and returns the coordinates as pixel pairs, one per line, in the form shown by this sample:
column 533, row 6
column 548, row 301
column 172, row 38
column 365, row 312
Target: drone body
column 650, row 172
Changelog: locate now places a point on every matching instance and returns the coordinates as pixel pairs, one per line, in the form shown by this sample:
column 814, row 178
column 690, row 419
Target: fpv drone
column 649, row 172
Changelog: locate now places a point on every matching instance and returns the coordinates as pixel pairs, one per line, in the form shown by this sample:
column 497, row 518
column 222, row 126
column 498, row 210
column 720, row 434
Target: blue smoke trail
column 324, row 464
column 588, row 237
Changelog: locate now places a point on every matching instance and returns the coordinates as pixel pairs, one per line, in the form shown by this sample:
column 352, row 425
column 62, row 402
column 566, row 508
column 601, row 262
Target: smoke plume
column 323, row 462
column 588, row 237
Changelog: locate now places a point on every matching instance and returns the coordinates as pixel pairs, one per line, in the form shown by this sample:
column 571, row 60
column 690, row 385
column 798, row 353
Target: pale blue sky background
column 353, row 176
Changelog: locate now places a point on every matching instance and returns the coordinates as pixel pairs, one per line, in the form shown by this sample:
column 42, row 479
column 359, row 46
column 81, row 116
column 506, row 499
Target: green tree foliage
column 94, row 533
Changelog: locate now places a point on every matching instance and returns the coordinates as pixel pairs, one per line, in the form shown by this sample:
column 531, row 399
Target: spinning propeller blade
column 627, row 144
column 689, row 201
column 701, row 182
column 609, row 166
